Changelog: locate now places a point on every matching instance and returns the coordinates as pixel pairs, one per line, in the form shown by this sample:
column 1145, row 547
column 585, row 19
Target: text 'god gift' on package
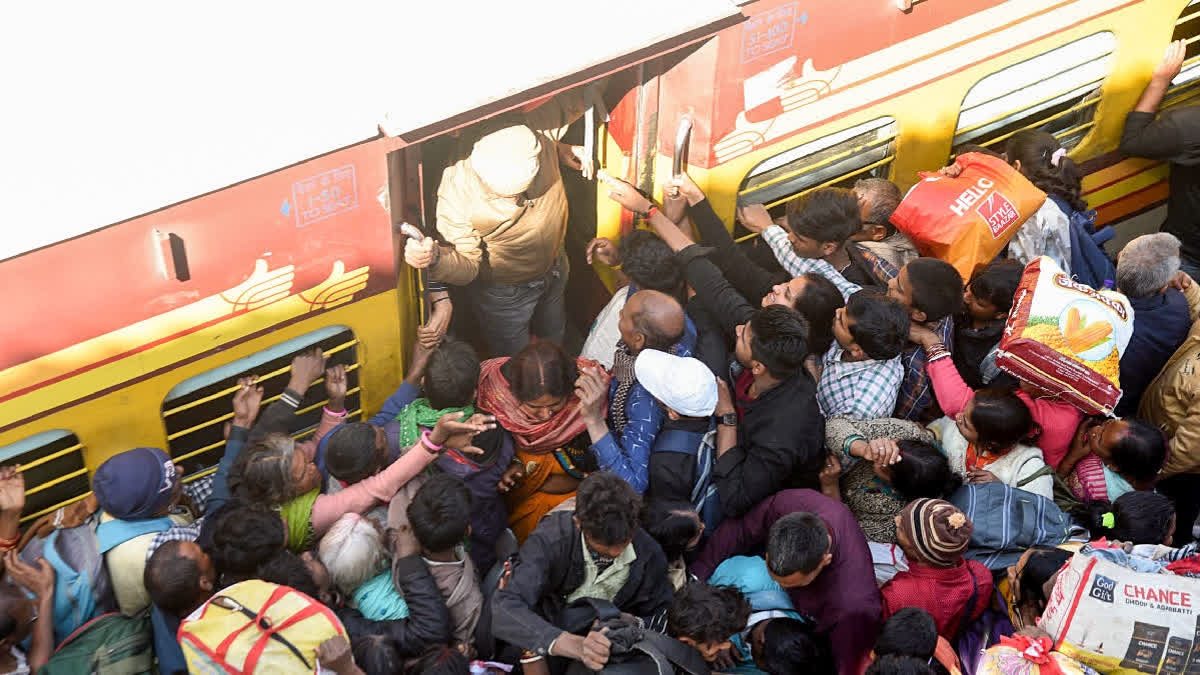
column 1066, row 338
column 969, row 219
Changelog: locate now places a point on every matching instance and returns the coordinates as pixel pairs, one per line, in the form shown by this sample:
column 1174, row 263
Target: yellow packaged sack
column 257, row 627
column 1066, row 337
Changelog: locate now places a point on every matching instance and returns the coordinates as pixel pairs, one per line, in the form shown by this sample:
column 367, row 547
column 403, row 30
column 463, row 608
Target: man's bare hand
column 420, row 254
column 1172, row 62
column 754, row 217
column 604, row 251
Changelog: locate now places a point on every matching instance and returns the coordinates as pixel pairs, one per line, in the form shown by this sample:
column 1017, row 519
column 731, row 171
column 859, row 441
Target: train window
column 1055, row 92
column 196, row 410
column 55, row 474
column 1186, row 84
column 834, row 160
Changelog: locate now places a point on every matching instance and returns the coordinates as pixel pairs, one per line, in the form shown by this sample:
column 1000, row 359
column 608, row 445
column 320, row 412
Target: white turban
column 684, row 385
column 507, row 160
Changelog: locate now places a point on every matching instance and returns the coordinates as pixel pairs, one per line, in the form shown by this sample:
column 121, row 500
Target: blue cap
column 135, row 484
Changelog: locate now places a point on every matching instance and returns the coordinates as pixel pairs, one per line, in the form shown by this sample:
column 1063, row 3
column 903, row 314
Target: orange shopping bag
column 968, row 220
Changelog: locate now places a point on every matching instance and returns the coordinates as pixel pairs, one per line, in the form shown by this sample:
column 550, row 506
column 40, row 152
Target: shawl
column 418, row 414
column 528, row 434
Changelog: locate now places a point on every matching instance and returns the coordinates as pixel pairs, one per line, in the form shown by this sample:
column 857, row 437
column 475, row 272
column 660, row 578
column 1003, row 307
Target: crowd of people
column 753, row 465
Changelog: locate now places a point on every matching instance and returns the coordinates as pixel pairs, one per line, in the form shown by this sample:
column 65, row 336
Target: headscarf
column 937, row 531
column 529, row 435
column 378, row 599
column 418, row 414
column 298, row 514
column 135, row 484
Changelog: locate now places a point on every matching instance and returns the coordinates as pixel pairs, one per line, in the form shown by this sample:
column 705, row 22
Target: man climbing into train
column 502, row 213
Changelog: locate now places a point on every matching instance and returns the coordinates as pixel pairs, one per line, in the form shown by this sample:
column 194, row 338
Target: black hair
column 440, row 512
column 794, row 646
column 667, row 523
column 973, row 147
column 244, row 536
column 911, row 631
column 817, row 304
column 656, row 338
column 1035, row 150
column 607, row 508
column 778, row 340
column 376, row 654
column 288, row 569
column 707, row 614
column 997, row 283
column 937, row 288
column 893, row 664
column 451, row 375
column 1002, row 419
column 1139, row 517
column 542, row 368
column 650, row 263
column 797, row 542
column 350, row 452
column 1044, row 563
column 828, row 214
column 881, row 324
column 172, row 579
column 923, row 471
column 884, row 196
column 1140, row 451
column 440, row 660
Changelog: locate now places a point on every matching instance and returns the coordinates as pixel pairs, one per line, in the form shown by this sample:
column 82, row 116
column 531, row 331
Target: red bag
column 968, row 220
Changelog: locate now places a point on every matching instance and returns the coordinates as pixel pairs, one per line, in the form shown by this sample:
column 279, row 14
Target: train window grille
column 1186, row 86
column 1057, row 92
column 836, row 160
column 196, row 410
column 54, row 469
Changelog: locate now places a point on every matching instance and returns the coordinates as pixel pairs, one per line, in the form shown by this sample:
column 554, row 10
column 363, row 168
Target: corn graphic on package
column 1067, row 338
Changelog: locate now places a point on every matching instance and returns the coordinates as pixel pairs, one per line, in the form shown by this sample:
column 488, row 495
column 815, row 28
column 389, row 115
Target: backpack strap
column 113, row 533
column 1045, row 470
column 677, row 441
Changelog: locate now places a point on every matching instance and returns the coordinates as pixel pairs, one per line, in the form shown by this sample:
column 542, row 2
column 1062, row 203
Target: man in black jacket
column 596, row 552
column 1173, row 136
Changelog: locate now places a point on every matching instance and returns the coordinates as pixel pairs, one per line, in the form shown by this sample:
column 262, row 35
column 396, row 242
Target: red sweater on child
column 942, row 591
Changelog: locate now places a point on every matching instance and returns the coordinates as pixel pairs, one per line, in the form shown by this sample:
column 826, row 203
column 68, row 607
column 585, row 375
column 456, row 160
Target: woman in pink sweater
column 279, row 472
column 1058, row 419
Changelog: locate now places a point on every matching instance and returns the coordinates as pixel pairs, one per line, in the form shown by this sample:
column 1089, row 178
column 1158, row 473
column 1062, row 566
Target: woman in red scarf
column 533, row 397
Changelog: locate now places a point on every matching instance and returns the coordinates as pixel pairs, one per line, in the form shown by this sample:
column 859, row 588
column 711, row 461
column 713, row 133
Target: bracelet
column 650, row 212
column 444, row 297
column 936, row 351
column 336, row 414
column 851, row 440
column 9, row 544
column 428, row 443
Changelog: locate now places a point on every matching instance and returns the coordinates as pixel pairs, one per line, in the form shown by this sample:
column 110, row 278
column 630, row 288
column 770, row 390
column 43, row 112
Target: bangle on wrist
column 850, row 441
column 428, row 444
column 331, row 413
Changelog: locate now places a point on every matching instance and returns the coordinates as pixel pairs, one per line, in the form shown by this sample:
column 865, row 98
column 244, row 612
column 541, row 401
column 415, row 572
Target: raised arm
column 948, row 385
column 1145, row 136
column 777, row 239
column 629, row 460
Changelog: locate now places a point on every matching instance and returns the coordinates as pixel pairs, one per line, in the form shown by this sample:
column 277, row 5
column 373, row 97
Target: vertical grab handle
column 683, row 138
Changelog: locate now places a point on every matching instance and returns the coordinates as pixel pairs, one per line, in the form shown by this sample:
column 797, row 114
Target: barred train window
column 836, row 160
column 55, row 474
column 1186, row 85
column 196, row 410
column 1056, row 92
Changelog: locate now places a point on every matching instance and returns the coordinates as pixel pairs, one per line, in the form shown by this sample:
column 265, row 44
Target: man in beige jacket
column 502, row 210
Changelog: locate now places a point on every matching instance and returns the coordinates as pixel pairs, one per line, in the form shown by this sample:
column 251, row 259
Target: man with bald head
column 623, row 432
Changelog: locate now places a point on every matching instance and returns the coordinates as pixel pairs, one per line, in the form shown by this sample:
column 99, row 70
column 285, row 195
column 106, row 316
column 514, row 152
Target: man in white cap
column 502, row 210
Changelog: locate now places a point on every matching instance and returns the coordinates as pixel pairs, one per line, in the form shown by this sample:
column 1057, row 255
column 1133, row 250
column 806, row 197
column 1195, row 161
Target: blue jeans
column 508, row 313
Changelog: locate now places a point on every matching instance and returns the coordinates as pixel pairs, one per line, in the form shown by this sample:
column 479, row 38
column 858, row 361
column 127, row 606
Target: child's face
column 980, row 309
column 964, row 424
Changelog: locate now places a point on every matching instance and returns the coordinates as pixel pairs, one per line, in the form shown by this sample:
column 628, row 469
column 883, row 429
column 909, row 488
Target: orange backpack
column 257, row 627
column 968, row 220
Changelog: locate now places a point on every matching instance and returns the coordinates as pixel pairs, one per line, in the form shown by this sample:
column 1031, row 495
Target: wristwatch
column 728, row 419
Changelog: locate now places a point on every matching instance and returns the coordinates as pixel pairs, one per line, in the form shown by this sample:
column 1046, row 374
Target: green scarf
column 298, row 514
column 418, row 414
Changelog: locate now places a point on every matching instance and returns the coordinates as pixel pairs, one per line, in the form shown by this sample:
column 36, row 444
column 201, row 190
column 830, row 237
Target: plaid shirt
column 916, row 389
column 863, row 390
column 198, row 491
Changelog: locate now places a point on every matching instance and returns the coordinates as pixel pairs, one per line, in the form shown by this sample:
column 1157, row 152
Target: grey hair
column 1147, row 264
column 797, row 543
column 884, row 197
column 262, row 473
column 352, row 550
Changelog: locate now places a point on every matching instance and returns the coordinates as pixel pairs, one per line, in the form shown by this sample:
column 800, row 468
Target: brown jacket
column 522, row 242
column 1172, row 401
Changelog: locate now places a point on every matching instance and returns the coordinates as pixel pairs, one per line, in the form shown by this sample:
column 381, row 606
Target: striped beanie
column 936, row 530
